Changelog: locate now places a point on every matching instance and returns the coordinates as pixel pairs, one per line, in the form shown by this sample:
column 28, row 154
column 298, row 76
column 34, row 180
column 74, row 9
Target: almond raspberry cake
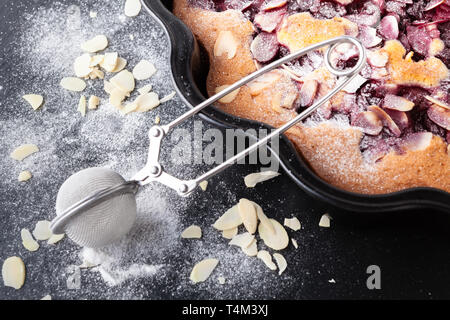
column 386, row 131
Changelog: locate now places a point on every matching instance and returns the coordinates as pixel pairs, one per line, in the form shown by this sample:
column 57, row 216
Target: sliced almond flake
column 254, row 178
column 144, row 70
column 24, row 151
column 147, row 102
column 124, row 80
column 192, row 232
column 281, row 262
column 28, row 241
column 132, row 8
column 267, row 259
column 225, row 44
column 221, row 280
column 82, row 65
column 242, row 240
column 121, row 64
column 294, row 243
column 292, row 223
column 96, row 74
column 230, row 233
column 263, row 218
column 277, row 240
column 96, row 60
column 130, row 107
column 247, row 211
column 203, row 270
column 109, row 63
column 13, row 272
column 55, row 238
column 116, row 98
column 252, row 249
column 98, row 43
column 82, row 105
column 47, row 297
column 42, row 230
column 438, row 102
column 229, row 97
column 158, row 120
column 35, row 100
column 93, row 103
column 145, row 89
column 25, row 176
column 168, row 97
column 229, row 220
column 73, row 84
column 325, row 221
column 108, row 87
column 203, row 185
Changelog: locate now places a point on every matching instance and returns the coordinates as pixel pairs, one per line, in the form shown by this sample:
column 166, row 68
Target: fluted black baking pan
column 185, row 54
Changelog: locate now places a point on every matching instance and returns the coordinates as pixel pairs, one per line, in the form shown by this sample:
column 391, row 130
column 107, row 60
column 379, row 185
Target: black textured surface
column 411, row 248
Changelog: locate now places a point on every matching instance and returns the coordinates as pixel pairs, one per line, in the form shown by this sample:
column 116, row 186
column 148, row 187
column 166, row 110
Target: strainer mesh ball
column 105, row 222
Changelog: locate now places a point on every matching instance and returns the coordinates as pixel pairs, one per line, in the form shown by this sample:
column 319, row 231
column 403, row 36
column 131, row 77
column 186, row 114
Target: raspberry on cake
column 386, row 132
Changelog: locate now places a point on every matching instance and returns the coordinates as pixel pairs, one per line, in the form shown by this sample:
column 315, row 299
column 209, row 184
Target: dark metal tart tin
column 185, row 53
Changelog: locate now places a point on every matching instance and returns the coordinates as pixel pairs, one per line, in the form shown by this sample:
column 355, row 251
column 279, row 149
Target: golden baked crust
column 332, row 149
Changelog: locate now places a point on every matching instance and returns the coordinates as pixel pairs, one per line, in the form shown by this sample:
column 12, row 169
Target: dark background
column 411, row 248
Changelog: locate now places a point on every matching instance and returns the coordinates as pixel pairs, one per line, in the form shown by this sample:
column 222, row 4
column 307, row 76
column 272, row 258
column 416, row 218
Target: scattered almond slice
column 108, row 87
column 281, row 262
column 437, row 102
column 124, row 81
column 42, row 230
column 96, row 60
column 55, row 238
column 147, row 102
column 221, row 280
column 130, row 107
column 24, row 151
column 96, row 73
column 242, row 240
column 82, row 105
column 132, row 8
column 292, row 223
column 110, row 61
column 144, row 70
column 73, row 84
column 203, row 270
column 277, row 240
column 157, row 119
column 253, row 179
column 268, row 79
column 325, row 221
column 229, row 220
column 267, row 259
column 229, row 97
column 145, row 89
column 25, row 176
column 192, row 232
column 34, row 100
column 28, row 241
column 168, row 97
column 225, row 44
column 116, row 97
column 82, row 65
column 230, row 233
column 203, row 185
column 294, row 243
column 252, row 249
column 247, row 211
column 96, row 44
column 93, row 103
column 13, row 272
column 121, row 64
column 263, row 218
